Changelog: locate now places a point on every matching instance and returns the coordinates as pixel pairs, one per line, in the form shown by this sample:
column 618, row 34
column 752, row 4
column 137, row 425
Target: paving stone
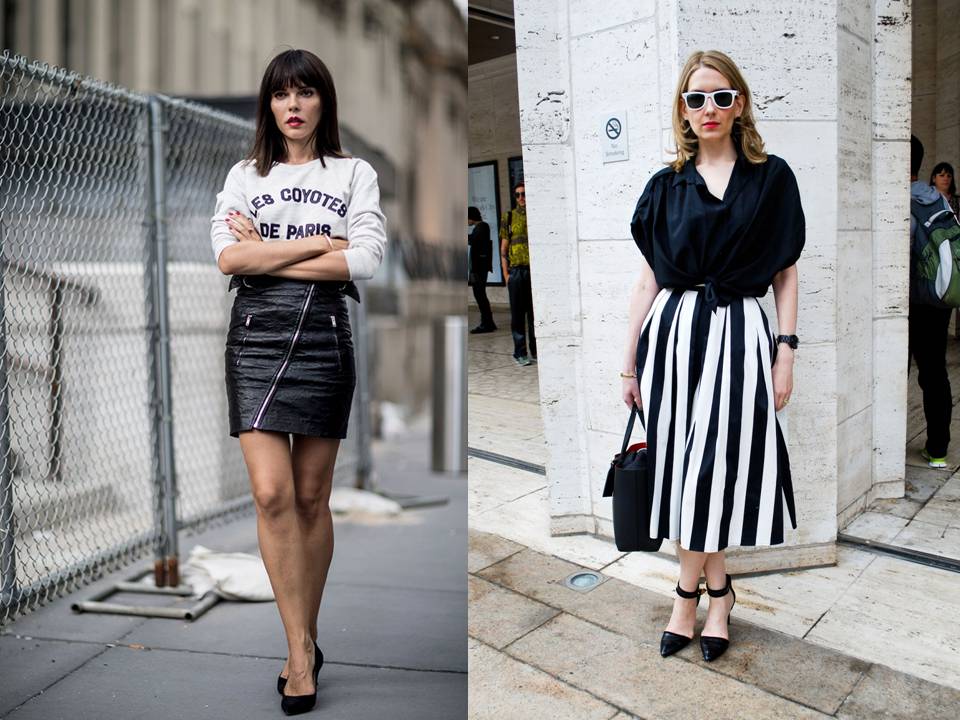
column 884, row 694
column 797, row 670
column 527, row 521
column 898, row 614
column 502, row 687
column 505, row 425
column 492, row 485
column 879, row 526
column 944, row 507
column 28, row 665
column 498, row 616
column 633, row 676
column 933, row 539
column 922, row 482
column 486, row 549
column 160, row 684
column 794, row 669
column 614, row 604
column 904, row 507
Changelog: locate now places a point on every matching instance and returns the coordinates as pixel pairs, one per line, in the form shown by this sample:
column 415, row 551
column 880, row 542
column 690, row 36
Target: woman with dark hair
column 481, row 263
column 296, row 223
column 715, row 229
column 943, row 179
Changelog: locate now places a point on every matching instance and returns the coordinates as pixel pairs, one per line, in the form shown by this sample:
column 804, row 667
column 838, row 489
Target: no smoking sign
column 614, row 138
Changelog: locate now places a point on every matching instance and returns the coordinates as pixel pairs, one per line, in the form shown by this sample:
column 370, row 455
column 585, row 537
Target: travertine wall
column 811, row 67
column 948, row 83
column 936, row 82
column 889, row 33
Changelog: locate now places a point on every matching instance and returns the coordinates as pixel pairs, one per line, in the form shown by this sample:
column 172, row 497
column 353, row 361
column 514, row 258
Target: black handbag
column 632, row 490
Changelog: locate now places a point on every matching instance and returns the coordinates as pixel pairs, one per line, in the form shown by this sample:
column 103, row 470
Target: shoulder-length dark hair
column 939, row 168
column 296, row 68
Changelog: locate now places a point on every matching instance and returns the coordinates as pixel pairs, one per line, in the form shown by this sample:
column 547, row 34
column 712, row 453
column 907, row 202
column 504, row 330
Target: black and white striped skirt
column 716, row 453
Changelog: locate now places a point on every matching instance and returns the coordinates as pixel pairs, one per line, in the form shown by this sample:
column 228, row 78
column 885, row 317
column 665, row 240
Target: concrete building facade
column 398, row 68
column 832, row 88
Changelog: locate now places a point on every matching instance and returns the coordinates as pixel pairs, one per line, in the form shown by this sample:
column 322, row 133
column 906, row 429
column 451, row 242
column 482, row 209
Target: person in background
column 927, row 334
column 943, row 179
column 481, row 263
column 515, row 258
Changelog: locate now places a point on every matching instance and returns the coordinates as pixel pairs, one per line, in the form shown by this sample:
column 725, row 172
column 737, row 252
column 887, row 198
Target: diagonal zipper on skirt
column 286, row 360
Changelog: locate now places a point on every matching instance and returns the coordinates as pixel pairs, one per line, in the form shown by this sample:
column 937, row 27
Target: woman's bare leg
column 715, row 569
column 269, row 465
column 684, row 616
column 313, row 461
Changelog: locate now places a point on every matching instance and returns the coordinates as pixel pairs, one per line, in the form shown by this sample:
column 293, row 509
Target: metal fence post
column 361, row 342
column 161, row 355
column 9, row 591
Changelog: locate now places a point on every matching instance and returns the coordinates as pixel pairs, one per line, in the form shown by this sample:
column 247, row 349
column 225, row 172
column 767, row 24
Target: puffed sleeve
column 641, row 226
column 786, row 214
column 230, row 198
column 366, row 224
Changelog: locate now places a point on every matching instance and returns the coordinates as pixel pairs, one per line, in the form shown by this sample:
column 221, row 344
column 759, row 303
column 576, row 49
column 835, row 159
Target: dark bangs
column 939, row 168
column 297, row 68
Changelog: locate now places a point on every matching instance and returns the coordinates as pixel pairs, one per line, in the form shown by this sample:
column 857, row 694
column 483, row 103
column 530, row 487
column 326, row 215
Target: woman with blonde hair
column 715, row 229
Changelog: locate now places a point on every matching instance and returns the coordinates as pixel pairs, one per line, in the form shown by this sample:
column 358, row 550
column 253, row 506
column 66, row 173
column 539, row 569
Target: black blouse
column 732, row 246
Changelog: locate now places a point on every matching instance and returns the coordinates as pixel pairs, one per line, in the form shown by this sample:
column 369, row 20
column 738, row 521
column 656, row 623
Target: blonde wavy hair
column 744, row 128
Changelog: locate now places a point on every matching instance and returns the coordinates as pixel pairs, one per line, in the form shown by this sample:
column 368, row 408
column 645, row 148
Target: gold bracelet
column 627, row 375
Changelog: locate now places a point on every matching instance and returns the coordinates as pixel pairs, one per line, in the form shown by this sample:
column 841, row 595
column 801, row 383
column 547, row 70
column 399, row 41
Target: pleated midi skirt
column 716, row 453
column 289, row 362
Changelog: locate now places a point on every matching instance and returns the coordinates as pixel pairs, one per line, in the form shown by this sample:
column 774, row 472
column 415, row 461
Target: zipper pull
column 333, row 320
column 247, row 321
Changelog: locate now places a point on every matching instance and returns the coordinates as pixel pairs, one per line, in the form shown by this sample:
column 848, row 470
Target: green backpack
column 935, row 256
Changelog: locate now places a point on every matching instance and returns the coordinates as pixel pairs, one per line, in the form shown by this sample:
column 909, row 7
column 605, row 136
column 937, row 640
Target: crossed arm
column 315, row 257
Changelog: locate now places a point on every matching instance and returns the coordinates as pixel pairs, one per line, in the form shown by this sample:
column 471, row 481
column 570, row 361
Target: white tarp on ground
column 232, row 575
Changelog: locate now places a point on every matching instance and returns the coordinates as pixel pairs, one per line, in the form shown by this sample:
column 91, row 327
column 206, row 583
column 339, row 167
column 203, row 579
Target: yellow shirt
column 515, row 231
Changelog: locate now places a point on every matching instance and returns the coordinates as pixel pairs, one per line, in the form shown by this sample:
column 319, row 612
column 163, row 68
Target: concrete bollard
column 449, row 438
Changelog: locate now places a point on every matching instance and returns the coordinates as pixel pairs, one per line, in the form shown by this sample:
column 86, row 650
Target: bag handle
column 634, row 411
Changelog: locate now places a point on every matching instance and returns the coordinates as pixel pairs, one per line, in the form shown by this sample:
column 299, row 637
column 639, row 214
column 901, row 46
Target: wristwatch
column 791, row 340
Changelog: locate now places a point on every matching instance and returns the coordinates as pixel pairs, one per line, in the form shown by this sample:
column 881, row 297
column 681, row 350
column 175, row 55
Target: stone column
column 101, row 41
column 544, row 58
column 48, row 28
column 811, row 67
column 891, row 35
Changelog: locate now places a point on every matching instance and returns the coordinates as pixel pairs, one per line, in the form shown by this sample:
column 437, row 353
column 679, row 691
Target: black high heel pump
column 671, row 642
column 282, row 681
column 297, row 704
column 714, row 647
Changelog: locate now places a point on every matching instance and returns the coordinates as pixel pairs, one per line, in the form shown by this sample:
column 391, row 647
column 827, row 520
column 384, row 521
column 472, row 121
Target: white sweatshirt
column 295, row 201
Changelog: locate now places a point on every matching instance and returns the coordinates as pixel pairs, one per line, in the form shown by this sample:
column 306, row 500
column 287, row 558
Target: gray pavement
column 550, row 651
column 393, row 628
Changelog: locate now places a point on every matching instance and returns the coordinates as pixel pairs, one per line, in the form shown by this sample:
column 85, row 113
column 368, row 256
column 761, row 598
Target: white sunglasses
column 722, row 99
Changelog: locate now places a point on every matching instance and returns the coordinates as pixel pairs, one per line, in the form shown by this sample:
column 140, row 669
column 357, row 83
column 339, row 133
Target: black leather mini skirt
column 289, row 357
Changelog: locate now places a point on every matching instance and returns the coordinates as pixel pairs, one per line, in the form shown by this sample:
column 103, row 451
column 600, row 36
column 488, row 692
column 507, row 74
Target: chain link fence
column 113, row 417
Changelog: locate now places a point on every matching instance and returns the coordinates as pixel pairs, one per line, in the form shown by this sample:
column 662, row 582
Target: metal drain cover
column 583, row 580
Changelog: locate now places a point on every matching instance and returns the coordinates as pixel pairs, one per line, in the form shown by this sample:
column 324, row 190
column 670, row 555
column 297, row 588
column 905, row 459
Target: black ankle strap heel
column 714, row 647
column 690, row 594
column 671, row 642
